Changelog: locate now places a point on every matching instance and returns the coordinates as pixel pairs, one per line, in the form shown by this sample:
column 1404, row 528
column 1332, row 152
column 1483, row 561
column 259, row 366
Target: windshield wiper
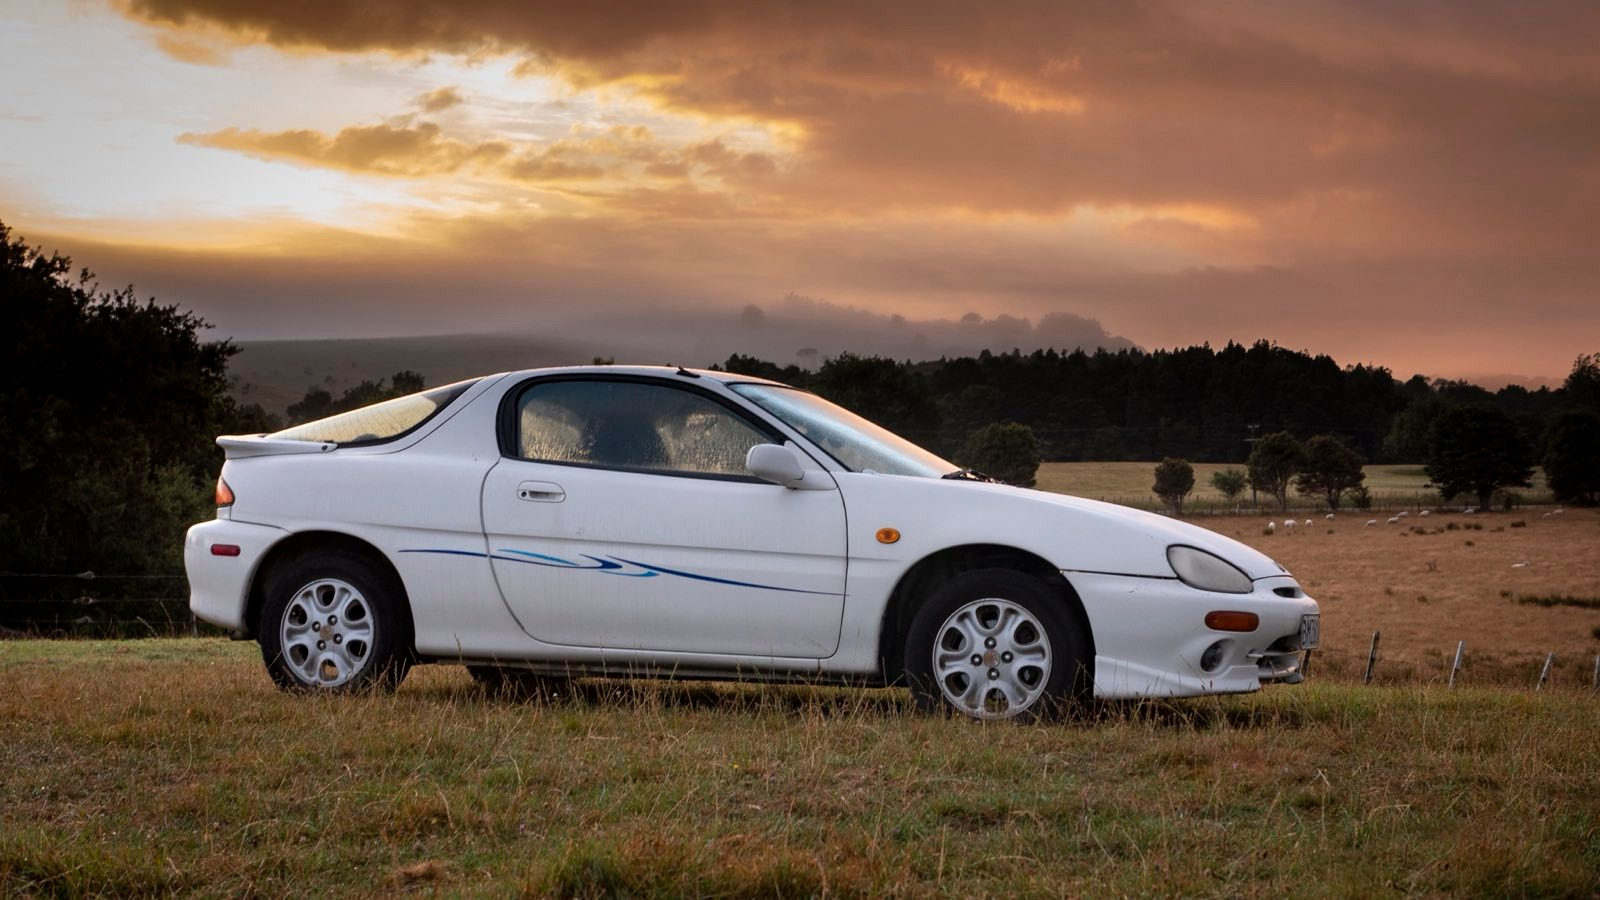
column 970, row 475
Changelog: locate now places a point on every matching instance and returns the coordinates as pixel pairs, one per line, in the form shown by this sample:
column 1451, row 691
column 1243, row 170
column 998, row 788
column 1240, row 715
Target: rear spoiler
column 244, row 446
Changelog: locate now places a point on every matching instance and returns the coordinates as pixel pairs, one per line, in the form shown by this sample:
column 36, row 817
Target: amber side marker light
column 224, row 493
column 888, row 535
column 224, row 549
column 1223, row 620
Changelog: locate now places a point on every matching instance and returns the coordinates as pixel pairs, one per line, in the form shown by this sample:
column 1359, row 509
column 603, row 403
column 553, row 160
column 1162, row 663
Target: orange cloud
column 412, row 151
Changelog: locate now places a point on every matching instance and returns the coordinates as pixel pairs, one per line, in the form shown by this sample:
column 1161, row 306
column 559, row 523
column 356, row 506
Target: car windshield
column 854, row 442
column 380, row 421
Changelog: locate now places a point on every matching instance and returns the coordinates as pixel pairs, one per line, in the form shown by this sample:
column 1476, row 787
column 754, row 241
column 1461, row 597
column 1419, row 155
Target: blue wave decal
column 613, row 566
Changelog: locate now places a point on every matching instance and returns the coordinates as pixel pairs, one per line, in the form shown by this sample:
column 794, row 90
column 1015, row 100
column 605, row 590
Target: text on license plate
column 1310, row 631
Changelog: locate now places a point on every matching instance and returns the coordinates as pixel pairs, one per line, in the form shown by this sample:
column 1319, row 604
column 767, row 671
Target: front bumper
column 1150, row 636
column 219, row 586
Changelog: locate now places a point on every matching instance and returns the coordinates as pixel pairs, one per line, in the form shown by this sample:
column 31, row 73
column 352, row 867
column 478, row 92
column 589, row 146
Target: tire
column 513, row 683
column 996, row 644
column 335, row 622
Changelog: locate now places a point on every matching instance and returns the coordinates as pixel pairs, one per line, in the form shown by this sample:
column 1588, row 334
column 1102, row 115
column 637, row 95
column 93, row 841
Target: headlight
column 1207, row 572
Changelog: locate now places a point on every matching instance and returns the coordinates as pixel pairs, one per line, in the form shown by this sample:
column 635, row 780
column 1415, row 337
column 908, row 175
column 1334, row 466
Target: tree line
column 110, row 403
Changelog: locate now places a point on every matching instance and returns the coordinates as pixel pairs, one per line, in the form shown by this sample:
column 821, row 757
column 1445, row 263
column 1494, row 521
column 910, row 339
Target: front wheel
column 334, row 622
column 996, row 644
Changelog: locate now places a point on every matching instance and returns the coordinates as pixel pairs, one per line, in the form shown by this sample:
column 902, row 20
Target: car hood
column 1166, row 530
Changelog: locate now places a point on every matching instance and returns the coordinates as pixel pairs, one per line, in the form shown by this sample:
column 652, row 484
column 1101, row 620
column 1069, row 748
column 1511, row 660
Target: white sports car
column 616, row 520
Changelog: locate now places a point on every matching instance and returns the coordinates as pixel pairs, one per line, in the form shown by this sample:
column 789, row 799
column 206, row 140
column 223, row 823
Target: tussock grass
column 152, row 767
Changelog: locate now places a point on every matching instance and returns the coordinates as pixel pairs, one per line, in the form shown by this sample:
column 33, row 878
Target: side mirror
column 774, row 463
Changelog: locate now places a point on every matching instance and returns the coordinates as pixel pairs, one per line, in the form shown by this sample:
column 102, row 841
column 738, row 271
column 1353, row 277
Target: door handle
column 540, row 492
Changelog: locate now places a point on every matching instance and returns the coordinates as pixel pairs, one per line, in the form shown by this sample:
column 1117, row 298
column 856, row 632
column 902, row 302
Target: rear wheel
column 334, row 622
column 996, row 644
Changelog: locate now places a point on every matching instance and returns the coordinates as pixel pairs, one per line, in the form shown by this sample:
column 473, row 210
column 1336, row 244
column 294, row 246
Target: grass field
column 162, row 766
column 1129, row 483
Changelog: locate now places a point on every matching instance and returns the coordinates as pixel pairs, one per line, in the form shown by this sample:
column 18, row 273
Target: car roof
column 651, row 371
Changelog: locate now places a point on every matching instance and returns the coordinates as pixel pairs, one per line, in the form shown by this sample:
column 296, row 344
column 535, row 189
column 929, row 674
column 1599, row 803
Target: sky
column 1414, row 185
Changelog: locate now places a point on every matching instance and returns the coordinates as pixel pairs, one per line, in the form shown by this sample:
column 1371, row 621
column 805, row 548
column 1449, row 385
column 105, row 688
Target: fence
column 87, row 604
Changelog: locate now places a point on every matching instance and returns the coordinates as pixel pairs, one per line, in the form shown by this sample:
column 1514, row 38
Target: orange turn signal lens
column 888, row 535
column 1224, row 620
column 224, row 493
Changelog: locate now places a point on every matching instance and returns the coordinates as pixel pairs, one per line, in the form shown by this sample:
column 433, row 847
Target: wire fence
column 89, row 605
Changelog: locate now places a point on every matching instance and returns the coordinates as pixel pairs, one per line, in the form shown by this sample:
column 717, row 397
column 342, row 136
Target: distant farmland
column 1129, row 483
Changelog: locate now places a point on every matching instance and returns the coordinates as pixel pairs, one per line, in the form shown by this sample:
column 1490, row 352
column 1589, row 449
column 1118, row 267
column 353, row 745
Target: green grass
column 1129, row 483
column 148, row 767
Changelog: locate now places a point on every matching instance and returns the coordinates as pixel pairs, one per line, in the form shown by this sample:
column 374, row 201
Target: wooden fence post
column 1544, row 673
column 1461, row 648
column 1372, row 658
column 1597, row 671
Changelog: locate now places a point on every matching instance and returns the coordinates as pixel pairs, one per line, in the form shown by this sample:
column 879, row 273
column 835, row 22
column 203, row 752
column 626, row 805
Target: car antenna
column 686, row 373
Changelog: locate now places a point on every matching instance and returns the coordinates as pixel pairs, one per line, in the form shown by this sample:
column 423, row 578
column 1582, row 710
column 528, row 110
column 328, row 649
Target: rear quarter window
column 381, row 421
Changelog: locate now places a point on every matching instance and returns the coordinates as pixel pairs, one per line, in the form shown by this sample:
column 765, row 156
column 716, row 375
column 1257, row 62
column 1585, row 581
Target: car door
column 622, row 516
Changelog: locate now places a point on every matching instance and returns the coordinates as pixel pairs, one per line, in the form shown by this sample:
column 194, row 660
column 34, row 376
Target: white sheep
column 1308, row 523
column 1469, row 510
column 1371, row 522
column 1271, row 527
column 1423, row 513
column 1329, row 517
column 1402, row 514
column 1288, row 523
column 1393, row 520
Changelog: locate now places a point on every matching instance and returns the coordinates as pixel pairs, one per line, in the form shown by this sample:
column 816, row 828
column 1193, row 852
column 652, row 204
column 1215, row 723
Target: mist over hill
column 799, row 330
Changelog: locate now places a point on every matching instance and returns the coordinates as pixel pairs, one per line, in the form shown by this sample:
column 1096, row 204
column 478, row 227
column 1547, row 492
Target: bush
column 1004, row 450
column 1230, row 483
column 1174, row 481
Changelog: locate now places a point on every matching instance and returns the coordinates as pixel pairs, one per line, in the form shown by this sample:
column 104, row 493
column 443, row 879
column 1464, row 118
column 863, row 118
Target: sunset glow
column 1413, row 185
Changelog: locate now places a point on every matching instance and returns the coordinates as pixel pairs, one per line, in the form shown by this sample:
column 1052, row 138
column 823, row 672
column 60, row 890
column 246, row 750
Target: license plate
column 1310, row 631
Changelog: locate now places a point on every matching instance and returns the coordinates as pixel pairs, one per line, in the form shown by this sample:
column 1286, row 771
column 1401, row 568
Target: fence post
column 1461, row 647
column 1372, row 658
column 1597, row 671
column 1544, row 673
column 1305, row 664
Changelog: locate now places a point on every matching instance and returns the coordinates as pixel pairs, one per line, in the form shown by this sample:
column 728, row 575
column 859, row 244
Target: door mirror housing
column 783, row 464
column 774, row 463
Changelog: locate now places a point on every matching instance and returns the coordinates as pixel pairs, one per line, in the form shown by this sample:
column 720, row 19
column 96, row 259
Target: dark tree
column 1230, row 483
column 1477, row 449
column 1572, row 458
column 1582, row 386
column 1275, row 459
column 1004, row 450
column 1174, row 481
column 108, row 408
column 1331, row 470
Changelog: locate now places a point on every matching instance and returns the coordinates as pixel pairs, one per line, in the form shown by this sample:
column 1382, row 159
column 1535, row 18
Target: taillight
column 224, row 494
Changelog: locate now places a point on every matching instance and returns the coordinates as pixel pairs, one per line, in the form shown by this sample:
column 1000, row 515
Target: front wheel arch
column 935, row 570
column 305, row 543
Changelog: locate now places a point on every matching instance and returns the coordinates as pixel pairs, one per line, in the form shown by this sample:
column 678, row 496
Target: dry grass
column 1459, row 580
column 154, row 767
column 1129, row 483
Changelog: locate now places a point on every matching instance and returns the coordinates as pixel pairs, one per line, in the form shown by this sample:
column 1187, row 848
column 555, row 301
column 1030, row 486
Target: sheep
column 1308, row 523
column 1469, row 510
column 1371, row 522
column 1393, row 520
column 1402, row 514
column 1520, row 565
column 1288, row 523
column 1329, row 517
column 1423, row 513
column 1271, row 527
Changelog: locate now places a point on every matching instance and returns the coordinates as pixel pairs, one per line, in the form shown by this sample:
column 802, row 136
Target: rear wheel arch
column 306, row 543
column 936, row 569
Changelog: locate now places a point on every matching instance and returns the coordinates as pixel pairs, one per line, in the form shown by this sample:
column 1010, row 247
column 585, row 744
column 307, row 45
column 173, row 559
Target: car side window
column 632, row 425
